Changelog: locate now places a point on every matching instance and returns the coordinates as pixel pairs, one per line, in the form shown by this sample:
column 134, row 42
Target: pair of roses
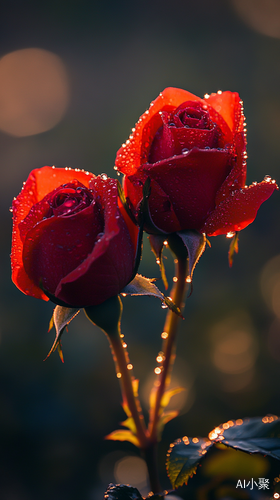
column 73, row 241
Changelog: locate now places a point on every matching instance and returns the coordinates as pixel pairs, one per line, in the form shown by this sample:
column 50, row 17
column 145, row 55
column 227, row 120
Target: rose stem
column 126, row 379
column 169, row 345
column 148, row 448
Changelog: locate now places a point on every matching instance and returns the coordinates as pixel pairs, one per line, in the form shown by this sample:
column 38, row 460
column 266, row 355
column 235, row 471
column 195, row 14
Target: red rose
column 194, row 152
column 70, row 237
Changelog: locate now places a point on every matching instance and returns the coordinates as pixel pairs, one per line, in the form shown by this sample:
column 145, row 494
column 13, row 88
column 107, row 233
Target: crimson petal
column 239, row 209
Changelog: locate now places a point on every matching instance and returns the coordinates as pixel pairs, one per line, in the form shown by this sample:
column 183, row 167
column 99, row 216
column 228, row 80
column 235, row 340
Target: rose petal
column 230, row 107
column 170, row 141
column 56, row 246
column 239, row 210
column 135, row 151
column 190, row 183
column 98, row 277
column 39, row 183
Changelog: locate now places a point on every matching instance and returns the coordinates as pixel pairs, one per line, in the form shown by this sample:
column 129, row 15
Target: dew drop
column 124, row 345
column 165, row 242
column 104, row 177
column 115, row 167
column 185, row 151
column 129, row 366
column 163, row 305
column 157, row 370
column 267, row 178
column 160, row 357
column 123, row 294
column 11, row 209
column 164, row 335
column 158, row 261
column 119, row 375
column 230, row 234
column 175, row 279
column 188, row 279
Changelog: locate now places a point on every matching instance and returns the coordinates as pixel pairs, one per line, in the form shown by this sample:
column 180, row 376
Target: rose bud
column 72, row 241
column 194, row 153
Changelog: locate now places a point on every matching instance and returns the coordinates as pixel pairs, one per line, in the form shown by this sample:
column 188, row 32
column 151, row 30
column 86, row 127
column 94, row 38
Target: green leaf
column 183, row 458
column 145, row 286
column 168, row 395
column 61, row 317
column 157, row 244
column 165, row 417
column 195, row 243
column 233, row 248
column 130, row 424
column 252, row 435
column 121, row 492
column 123, row 435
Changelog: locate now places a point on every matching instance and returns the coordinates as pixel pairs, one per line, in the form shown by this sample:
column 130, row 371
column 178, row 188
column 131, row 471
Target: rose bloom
column 72, row 241
column 194, row 152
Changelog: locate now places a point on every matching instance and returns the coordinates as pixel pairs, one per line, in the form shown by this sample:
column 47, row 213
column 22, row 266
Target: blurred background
column 74, row 78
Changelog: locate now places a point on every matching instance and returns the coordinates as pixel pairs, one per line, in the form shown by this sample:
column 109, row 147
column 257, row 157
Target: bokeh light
column 273, row 340
column 270, row 284
column 182, row 377
column 34, row 91
column 261, row 15
column 234, row 350
column 132, row 470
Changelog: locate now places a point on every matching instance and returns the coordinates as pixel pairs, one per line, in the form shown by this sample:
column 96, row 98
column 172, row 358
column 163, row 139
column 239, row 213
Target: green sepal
column 183, row 457
column 61, row 317
column 157, row 244
column 122, row 492
column 145, row 286
column 195, row 243
column 144, row 211
column 125, row 203
column 106, row 315
column 233, row 248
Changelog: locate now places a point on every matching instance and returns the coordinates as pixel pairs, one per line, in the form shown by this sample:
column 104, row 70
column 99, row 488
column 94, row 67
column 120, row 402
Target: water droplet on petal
column 267, row 178
column 230, row 234
column 104, row 177
column 163, row 305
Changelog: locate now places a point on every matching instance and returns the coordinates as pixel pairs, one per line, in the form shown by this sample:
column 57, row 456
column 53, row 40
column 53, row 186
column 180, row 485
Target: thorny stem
column 148, row 439
column 169, row 347
column 129, row 394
